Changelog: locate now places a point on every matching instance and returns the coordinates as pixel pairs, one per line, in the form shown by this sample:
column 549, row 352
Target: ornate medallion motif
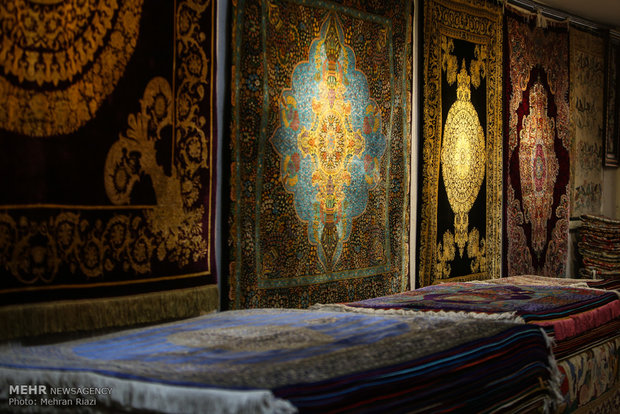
column 538, row 167
column 320, row 140
column 462, row 157
column 59, row 59
column 330, row 141
column 537, row 151
column 461, row 144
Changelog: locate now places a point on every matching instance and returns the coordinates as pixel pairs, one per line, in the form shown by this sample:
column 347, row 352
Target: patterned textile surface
column 608, row 403
column 537, row 148
column 461, row 148
column 590, row 374
column 587, row 80
column 612, row 100
column 540, row 280
column 570, row 346
column 106, row 137
column 607, row 284
column 598, row 243
column 320, row 151
column 319, row 361
column 603, row 284
column 565, row 311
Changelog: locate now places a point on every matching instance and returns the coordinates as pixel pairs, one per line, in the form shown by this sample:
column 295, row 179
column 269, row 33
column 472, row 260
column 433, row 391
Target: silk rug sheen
column 320, row 151
column 537, row 161
column 461, row 149
column 107, row 149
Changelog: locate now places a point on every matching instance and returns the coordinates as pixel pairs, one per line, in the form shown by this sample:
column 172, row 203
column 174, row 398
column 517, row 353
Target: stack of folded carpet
column 568, row 314
column 583, row 321
column 292, row 360
column 599, row 247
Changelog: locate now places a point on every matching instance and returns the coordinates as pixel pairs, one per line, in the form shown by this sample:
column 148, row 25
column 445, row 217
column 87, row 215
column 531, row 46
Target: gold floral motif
column 445, row 254
column 134, row 156
column 449, row 62
column 476, row 250
column 480, row 24
column 478, row 65
column 73, row 51
column 134, row 237
column 331, row 143
column 320, row 138
column 91, row 248
column 34, row 257
column 462, row 158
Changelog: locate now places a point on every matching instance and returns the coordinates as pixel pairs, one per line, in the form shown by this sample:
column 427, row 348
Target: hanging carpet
column 320, row 151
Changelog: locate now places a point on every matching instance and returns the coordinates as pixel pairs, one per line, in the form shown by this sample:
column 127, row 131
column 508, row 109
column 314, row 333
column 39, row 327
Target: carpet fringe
column 35, row 319
column 502, row 316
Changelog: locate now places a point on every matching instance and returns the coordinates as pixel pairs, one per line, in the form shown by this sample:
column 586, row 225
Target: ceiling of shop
column 605, row 12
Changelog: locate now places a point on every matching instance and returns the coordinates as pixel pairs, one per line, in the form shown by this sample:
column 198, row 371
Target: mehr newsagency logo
column 43, row 395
